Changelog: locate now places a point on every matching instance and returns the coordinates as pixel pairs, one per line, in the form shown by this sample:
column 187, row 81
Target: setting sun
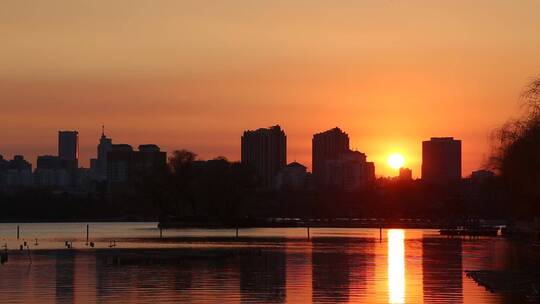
column 396, row 160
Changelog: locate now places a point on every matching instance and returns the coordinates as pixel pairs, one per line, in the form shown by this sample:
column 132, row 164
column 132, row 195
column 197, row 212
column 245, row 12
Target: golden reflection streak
column 396, row 266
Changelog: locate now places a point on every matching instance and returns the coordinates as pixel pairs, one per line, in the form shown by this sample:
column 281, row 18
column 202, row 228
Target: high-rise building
column 15, row 173
column 68, row 153
column 327, row 146
column 68, row 145
column 349, row 171
column 265, row 150
column 441, row 160
column 126, row 167
column 292, row 177
column 405, row 174
column 51, row 172
column 99, row 165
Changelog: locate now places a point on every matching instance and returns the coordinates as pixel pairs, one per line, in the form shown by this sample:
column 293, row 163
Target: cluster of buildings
column 335, row 165
column 52, row 170
column 121, row 167
column 118, row 166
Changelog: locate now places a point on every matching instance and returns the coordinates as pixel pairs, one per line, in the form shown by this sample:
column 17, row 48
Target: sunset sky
column 195, row 74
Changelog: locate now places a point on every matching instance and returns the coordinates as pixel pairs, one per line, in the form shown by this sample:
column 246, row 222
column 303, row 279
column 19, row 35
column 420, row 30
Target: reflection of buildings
column 298, row 281
column 113, row 284
column 341, row 270
column 266, row 151
column 336, row 166
column 65, row 273
column 331, row 271
column 441, row 159
column 442, row 269
column 322, row 271
column 263, row 278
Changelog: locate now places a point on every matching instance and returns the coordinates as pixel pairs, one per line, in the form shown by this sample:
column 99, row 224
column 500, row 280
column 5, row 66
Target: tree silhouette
column 201, row 190
column 516, row 154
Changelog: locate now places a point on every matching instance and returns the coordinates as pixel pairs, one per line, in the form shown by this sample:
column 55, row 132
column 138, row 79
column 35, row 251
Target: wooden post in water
column 160, row 232
column 18, row 234
column 236, row 231
column 308, row 236
column 380, row 234
column 87, row 233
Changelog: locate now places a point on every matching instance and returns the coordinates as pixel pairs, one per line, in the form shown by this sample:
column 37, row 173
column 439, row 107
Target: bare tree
column 516, row 151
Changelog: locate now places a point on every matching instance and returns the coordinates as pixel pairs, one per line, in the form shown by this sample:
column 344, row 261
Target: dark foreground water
column 276, row 266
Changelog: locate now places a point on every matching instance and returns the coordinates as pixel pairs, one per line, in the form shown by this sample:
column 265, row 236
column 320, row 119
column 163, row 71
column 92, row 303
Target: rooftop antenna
column 103, row 130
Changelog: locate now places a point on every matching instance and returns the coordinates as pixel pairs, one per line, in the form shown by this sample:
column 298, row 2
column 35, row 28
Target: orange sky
column 195, row 74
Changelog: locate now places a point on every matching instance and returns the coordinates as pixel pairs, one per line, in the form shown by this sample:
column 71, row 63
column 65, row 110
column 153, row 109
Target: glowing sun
column 396, row 160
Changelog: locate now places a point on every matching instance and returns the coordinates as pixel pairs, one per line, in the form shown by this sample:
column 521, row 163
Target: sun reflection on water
column 396, row 266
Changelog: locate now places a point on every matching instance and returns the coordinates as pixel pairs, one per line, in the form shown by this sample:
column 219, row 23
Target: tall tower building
column 265, row 150
column 68, row 149
column 105, row 145
column 68, row 145
column 326, row 146
column 441, row 160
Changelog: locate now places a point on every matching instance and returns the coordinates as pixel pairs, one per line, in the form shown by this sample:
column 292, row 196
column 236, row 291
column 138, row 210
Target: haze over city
column 196, row 74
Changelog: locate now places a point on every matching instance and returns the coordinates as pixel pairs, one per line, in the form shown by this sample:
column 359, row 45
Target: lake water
column 333, row 266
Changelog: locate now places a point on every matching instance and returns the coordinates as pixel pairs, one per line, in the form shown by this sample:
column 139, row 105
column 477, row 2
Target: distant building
column 119, row 159
column 15, row 173
column 51, row 172
column 19, row 163
column 85, row 181
column 68, row 146
column 126, row 167
column 349, row 171
column 441, row 160
column 327, row 146
column 336, row 166
column 369, row 172
column 68, row 152
column 481, row 176
column 292, row 177
column 405, row 174
column 266, row 151
column 98, row 165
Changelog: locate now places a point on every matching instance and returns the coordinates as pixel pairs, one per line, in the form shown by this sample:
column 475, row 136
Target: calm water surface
column 335, row 265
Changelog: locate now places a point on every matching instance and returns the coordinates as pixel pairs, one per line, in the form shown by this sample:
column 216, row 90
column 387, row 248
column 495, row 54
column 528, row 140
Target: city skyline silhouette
column 278, row 151
column 194, row 75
